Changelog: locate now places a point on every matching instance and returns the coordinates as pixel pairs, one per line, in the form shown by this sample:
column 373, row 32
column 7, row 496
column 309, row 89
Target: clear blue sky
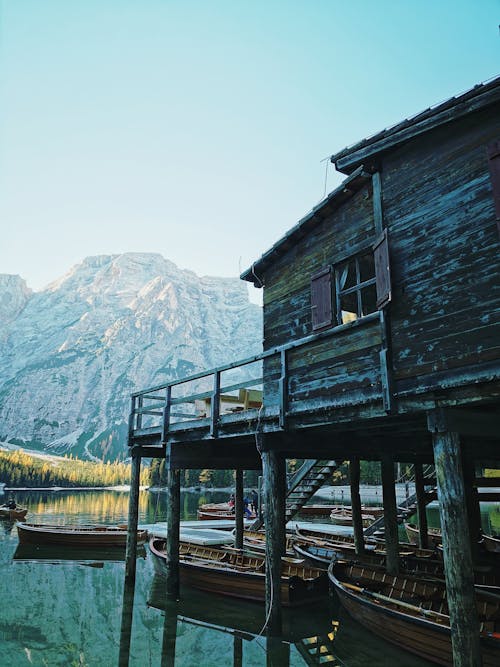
column 197, row 129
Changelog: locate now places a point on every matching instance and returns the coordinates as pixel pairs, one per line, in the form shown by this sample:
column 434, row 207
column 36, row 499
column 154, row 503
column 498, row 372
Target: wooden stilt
column 421, row 506
column 473, row 508
column 237, row 652
column 277, row 652
column 169, row 635
column 238, row 509
column 126, row 624
column 274, row 501
column 173, row 530
column 390, row 516
column 133, row 517
column 456, row 544
column 357, row 519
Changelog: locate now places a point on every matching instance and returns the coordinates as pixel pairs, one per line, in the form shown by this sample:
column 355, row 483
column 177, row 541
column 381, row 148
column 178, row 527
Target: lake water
column 78, row 613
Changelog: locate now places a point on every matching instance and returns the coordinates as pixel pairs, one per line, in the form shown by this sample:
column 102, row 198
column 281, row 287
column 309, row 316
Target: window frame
column 354, row 289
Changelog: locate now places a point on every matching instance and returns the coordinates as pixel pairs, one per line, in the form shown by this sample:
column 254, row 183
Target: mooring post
column 273, row 467
column 390, row 516
column 237, row 651
column 238, row 510
column 423, row 537
column 173, row 531
column 357, row 518
column 277, row 652
column 457, row 556
column 133, row 515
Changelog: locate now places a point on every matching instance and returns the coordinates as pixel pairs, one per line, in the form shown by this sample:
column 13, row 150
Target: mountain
column 72, row 353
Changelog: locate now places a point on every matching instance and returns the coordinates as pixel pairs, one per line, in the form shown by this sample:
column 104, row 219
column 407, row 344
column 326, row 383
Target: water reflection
column 58, row 613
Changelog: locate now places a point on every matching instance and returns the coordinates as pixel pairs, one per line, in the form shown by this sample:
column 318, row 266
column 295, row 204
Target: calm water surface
column 75, row 611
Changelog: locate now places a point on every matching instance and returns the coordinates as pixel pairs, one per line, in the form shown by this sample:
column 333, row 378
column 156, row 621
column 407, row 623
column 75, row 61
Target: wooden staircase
column 318, row 651
column 409, row 505
column 303, row 485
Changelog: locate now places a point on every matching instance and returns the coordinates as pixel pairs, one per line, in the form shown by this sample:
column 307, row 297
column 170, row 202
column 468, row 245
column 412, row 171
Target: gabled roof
column 326, row 206
column 360, row 159
column 365, row 151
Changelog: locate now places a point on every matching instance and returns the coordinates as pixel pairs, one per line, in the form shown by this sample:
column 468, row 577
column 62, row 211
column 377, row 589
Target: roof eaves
column 344, row 191
column 472, row 100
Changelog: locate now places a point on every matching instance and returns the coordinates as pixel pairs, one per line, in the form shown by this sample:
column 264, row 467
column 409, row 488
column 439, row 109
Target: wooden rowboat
column 491, row 543
column 16, row 514
column 434, row 535
column 211, row 514
column 411, row 611
column 343, row 517
column 75, row 535
column 236, row 574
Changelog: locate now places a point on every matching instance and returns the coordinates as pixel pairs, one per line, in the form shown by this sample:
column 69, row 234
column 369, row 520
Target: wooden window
column 494, row 164
column 321, row 299
column 362, row 283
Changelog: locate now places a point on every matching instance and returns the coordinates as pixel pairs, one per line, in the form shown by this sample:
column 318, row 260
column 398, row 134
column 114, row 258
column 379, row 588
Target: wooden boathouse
column 381, row 342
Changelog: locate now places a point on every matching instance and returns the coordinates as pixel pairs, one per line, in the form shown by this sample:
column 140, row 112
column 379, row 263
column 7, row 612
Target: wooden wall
column 444, row 252
column 444, row 246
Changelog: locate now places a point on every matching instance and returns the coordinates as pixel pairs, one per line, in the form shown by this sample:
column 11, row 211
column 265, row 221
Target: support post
column 169, row 635
column 126, row 624
column 238, row 510
column 173, row 530
column 390, row 516
column 133, row 516
column 473, row 508
column 357, row 518
column 456, row 543
column 423, row 532
column 274, row 492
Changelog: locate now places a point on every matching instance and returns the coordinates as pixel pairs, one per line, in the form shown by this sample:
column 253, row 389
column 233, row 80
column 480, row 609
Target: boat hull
column 246, row 581
column 430, row 639
column 76, row 536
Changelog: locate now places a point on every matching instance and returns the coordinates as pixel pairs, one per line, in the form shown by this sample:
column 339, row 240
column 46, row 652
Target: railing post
column 214, row 424
column 166, row 416
column 139, row 414
column 131, row 422
column 283, row 389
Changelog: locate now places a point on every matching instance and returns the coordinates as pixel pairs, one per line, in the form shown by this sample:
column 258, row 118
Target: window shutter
column 494, row 164
column 382, row 270
column 321, row 299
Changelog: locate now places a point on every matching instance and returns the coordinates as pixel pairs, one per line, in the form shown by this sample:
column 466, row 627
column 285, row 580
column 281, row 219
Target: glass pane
column 348, row 307
column 369, row 300
column 347, row 275
column 366, row 267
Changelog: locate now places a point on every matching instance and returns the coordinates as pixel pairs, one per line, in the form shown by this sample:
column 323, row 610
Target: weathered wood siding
column 444, row 256
column 444, row 245
column 345, row 369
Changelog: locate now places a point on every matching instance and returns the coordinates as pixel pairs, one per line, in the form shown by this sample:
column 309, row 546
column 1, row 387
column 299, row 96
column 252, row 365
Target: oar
column 400, row 603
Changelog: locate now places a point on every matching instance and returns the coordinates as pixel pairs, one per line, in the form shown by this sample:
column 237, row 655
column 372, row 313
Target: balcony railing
column 233, row 388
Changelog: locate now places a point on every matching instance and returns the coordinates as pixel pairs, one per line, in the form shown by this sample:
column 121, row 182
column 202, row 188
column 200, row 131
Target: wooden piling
column 238, row 510
column 421, row 506
column 133, row 516
column 169, row 635
column 173, row 531
column 456, row 545
column 472, row 506
column 390, row 516
column 274, row 500
column 357, row 519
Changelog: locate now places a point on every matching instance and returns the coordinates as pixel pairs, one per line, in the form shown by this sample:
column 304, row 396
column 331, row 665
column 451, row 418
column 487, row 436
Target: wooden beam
column 456, row 549
column 477, row 423
column 173, row 530
column 273, row 467
column 421, row 506
column 238, row 510
column 390, row 516
column 357, row 519
column 133, row 516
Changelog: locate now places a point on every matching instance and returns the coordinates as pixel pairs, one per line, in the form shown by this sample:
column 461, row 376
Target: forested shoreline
column 21, row 469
